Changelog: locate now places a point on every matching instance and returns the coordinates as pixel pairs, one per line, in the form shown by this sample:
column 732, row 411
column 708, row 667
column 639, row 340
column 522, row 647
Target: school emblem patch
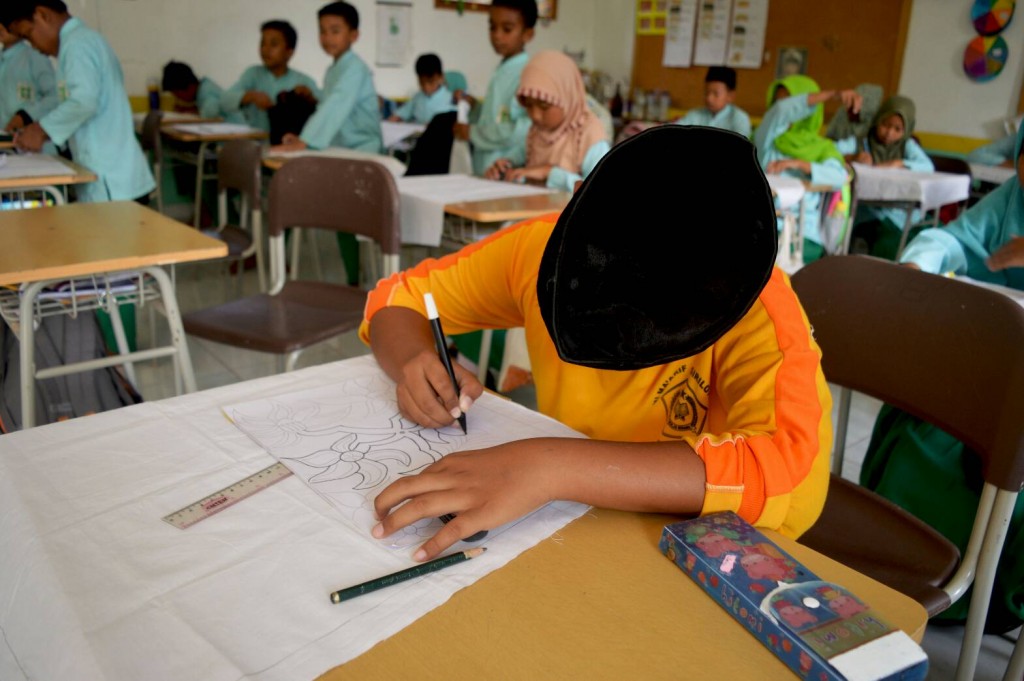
column 685, row 410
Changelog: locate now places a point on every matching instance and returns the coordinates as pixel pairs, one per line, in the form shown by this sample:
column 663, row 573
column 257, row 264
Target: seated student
column 499, row 124
column 28, row 89
column 191, row 94
column 887, row 143
column 718, row 110
column 845, row 123
column 93, row 114
column 259, row 87
column 926, row 470
column 788, row 142
column 566, row 139
column 434, row 96
column 348, row 115
column 682, row 402
column 996, row 153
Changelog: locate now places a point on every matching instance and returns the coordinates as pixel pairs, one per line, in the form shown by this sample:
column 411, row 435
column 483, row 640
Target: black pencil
column 442, row 349
column 404, row 575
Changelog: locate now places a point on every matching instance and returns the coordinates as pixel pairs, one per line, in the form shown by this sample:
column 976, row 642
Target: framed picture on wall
column 546, row 9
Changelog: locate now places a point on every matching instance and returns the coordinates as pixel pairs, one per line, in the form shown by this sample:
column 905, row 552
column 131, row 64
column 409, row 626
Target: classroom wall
column 220, row 38
column 947, row 101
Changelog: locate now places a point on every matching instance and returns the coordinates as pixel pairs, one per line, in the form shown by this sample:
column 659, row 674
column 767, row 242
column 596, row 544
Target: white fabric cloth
column 928, row 190
column 425, row 196
column 31, row 165
column 216, row 129
column 992, row 174
column 788, row 190
column 394, row 132
column 97, row 587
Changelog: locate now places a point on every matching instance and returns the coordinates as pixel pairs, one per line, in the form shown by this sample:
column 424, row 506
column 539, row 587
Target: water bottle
column 153, row 89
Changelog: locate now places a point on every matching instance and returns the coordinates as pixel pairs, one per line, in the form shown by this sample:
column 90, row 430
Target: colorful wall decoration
column 985, row 56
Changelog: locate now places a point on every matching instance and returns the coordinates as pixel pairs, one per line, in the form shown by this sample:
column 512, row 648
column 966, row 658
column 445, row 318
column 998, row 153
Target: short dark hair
column 177, row 76
column 24, row 9
column 721, row 74
column 291, row 38
column 341, row 9
column 526, row 8
column 428, row 65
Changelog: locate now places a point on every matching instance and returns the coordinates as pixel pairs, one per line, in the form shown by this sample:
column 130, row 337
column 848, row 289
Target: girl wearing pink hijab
column 566, row 139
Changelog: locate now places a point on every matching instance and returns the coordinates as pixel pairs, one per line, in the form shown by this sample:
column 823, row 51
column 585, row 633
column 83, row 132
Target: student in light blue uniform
column 200, row 96
column 997, row 153
column 93, row 114
column 887, row 144
column 718, row 110
column 433, row 98
column 257, row 90
column 28, row 87
column 788, row 142
column 500, row 124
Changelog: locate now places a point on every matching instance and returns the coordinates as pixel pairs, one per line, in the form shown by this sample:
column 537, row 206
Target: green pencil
column 403, row 575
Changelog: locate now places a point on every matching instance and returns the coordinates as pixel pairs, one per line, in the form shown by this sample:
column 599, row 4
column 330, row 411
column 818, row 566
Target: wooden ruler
column 229, row 496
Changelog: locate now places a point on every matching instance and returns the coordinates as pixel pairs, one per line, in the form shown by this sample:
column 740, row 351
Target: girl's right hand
column 498, row 169
column 851, row 100
column 425, row 392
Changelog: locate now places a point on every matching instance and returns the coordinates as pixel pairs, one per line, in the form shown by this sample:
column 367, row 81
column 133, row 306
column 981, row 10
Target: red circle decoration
column 992, row 16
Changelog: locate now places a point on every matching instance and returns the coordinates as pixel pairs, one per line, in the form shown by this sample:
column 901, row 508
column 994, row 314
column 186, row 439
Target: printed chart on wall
column 716, row 32
column 394, row 32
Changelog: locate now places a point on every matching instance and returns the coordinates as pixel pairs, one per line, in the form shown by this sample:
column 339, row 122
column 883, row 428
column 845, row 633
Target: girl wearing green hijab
column 789, row 142
column 887, row 143
column 926, row 470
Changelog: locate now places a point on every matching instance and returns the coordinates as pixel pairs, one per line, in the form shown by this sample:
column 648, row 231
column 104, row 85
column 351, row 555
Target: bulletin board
column 847, row 42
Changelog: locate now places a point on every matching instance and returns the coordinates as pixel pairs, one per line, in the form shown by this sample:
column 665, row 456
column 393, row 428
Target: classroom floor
column 216, row 365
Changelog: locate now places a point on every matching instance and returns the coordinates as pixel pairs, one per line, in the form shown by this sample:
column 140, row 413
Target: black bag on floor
column 61, row 340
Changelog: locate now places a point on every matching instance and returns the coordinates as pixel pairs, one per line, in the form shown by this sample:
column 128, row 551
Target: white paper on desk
column 788, row 190
column 32, row 165
column 425, row 196
column 96, row 587
column 394, row 166
column 216, row 129
column 394, row 132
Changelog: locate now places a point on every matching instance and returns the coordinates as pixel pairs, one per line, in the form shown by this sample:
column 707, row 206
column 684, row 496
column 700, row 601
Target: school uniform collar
column 9, row 52
column 286, row 73
column 344, row 57
column 71, row 24
column 441, row 94
column 518, row 59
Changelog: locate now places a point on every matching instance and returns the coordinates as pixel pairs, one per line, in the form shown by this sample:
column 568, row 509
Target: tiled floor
column 216, row 365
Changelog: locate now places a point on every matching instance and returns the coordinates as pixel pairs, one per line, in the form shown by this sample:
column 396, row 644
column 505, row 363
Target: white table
column 991, row 174
column 906, row 189
column 424, row 198
column 788, row 190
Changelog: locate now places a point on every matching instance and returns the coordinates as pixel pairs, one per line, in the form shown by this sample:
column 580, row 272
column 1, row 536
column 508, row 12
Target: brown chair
column 239, row 169
column 337, row 194
column 948, row 352
column 957, row 166
column 151, row 143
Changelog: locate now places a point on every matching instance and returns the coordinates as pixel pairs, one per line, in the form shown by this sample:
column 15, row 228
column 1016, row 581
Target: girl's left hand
column 864, row 158
column 534, row 173
column 1010, row 254
column 485, row 488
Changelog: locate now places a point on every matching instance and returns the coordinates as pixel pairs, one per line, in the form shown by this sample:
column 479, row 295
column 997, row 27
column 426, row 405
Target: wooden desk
column 600, row 602
column 178, row 133
column 48, row 245
column 73, row 174
column 991, row 174
column 510, row 208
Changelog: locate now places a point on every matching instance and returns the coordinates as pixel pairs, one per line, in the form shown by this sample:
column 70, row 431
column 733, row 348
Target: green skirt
column 932, row 475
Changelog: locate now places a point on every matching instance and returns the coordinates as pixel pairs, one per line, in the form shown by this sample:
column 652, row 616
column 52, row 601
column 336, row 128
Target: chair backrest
column 151, row 133
column 239, row 164
column 339, row 194
column 433, row 151
column 946, row 351
column 948, row 164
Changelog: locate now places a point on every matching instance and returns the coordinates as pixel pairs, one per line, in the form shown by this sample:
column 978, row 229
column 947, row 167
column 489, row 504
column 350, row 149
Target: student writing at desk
column 93, row 114
column 908, row 461
column 433, row 97
column 713, row 401
column 28, row 87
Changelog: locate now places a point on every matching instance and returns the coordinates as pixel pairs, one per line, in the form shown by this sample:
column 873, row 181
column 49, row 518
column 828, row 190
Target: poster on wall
column 746, row 36
column 712, row 33
column 682, row 21
column 651, row 17
column 394, row 32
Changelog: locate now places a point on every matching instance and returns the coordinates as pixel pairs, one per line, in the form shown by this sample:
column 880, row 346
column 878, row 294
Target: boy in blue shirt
column 718, row 110
column 28, row 88
column 349, row 115
column 500, row 126
column 256, row 92
column 93, row 114
column 192, row 94
column 434, row 96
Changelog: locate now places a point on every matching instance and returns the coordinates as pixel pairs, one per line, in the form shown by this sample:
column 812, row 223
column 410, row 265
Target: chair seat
column 237, row 239
column 877, row 538
column 302, row 314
